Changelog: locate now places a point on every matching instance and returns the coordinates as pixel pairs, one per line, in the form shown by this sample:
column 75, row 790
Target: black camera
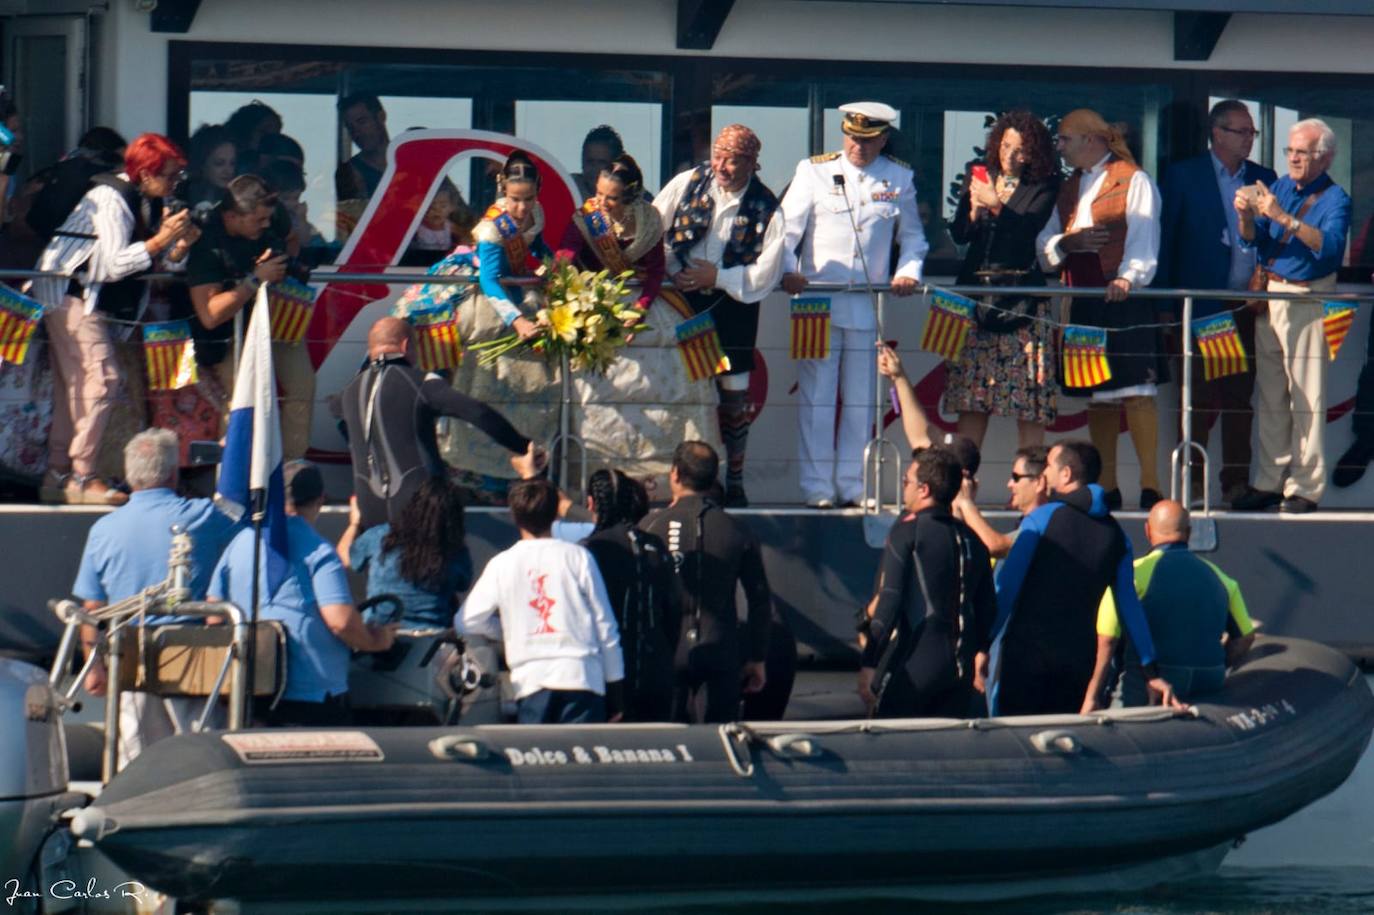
column 201, row 213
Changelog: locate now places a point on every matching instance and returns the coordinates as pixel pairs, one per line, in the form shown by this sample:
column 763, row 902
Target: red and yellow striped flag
column 811, row 328
column 438, row 345
column 699, row 345
column 1336, row 324
column 292, row 303
column 1085, row 357
column 19, row 316
column 170, row 355
column 947, row 325
column 1218, row 342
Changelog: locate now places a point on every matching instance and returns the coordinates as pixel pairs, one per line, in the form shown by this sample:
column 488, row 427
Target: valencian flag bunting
column 1218, row 342
column 811, row 328
column 291, row 302
column 438, row 344
column 699, row 345
column 19, row 316
column 1336, row 323
column 947, row 325
column 1085, row 356
column 170, row 355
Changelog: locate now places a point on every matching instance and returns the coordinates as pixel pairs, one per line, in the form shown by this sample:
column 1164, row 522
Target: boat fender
column 1062, row 743
column 92, row 824
column 462, row 749
column 796, row 746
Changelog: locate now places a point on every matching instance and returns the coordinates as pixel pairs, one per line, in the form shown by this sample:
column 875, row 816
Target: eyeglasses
column 1240, row 132
column 1292, row 153
column 1018, row 477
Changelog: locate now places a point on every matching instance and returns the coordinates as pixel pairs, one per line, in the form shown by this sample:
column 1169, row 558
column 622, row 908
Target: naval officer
column 842, row 212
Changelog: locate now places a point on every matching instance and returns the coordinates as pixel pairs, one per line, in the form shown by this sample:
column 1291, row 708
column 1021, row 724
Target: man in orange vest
column 1105, row 232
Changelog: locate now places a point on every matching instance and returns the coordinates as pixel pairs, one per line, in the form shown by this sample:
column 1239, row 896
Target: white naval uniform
column 819, row 243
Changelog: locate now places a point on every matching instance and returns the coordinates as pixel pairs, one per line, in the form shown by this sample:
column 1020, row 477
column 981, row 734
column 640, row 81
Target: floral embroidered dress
column 633, row 417
column 522, row 386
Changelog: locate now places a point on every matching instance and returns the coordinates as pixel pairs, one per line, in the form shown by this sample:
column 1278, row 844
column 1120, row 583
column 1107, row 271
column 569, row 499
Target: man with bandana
column 1104, row 232
column 842, row 212
column 724, row 247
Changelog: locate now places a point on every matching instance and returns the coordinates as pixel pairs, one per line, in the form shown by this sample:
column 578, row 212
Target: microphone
column 839, row 182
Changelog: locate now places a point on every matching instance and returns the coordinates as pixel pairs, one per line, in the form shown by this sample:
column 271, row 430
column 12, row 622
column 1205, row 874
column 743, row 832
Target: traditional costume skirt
column 645, row 405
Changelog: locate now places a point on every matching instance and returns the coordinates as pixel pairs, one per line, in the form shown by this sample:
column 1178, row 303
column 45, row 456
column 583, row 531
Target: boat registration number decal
column 1256, row 718
column 304, row 746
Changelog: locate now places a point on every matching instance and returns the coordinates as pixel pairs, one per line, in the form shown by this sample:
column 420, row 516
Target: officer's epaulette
column 901, row 162
column 825, row 157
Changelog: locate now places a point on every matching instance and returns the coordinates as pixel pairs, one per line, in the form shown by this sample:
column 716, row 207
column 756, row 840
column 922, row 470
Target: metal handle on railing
column 565, row 436
column 876, row 456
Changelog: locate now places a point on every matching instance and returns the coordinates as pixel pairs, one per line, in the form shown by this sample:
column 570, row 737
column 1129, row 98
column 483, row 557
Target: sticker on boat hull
column 304, row 747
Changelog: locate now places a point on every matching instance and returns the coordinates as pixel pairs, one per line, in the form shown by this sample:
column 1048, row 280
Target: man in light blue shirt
column 127, row 551
column 1298, row 230
column 314, row 604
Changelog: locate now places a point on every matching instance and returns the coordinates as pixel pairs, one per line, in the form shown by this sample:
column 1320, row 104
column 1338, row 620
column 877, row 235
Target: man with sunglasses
column 1298, row 230
column 843, row 212
column 1200, row 248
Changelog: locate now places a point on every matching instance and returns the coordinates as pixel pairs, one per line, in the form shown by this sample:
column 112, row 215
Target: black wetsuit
column 645, row 598
column 391, row 408
column 931, row 666
column 712, row 552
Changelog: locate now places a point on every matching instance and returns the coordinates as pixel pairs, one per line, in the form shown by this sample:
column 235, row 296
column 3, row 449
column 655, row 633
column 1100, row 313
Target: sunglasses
column 1018, row 477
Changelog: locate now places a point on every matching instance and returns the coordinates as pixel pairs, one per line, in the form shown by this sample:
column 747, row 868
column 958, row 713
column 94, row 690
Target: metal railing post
column 1186, row 405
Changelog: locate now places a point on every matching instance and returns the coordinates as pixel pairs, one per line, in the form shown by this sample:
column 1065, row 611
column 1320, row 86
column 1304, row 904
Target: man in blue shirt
column 126, row 551
column 1298, row 230
column 314, row 604
column 1200, row 248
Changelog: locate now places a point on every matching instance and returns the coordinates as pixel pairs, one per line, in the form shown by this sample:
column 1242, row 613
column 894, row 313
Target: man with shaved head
column 390, row 409
column 1191, row 606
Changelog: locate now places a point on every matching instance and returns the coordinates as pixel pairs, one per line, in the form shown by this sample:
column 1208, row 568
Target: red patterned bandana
column 738, row 140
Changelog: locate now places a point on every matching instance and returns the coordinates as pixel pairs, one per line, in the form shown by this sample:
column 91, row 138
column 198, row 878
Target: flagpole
column 259, row 497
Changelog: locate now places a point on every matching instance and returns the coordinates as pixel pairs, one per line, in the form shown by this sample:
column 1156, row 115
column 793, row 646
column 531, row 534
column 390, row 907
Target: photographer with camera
column 238, row 252
column 101, row 245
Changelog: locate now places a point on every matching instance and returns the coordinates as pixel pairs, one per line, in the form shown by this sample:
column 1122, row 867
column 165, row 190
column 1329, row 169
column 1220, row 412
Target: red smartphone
column 980, row 173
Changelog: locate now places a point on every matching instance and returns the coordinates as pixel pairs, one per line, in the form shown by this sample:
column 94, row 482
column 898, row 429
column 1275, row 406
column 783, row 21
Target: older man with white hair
column 1298, row 229
column 126, row 551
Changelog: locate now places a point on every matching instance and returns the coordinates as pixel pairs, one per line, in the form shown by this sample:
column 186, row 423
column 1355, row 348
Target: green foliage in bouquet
column 583, row 318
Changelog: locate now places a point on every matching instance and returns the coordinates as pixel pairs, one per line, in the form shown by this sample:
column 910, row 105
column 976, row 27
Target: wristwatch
column 252, row 281
column 1293, row 223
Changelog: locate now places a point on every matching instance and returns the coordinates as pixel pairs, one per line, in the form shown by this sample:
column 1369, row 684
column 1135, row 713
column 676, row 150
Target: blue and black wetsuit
column 1066, row 555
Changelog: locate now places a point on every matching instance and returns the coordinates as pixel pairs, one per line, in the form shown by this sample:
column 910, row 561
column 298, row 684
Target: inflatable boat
column 481, row 816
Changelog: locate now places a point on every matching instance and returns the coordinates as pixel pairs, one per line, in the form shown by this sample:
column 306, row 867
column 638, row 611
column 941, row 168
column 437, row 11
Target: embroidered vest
column 692, row 219
column 1108, row 210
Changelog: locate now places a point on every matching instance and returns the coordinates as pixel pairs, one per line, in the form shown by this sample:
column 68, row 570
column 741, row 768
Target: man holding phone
column 842, row 212
column 237, row 253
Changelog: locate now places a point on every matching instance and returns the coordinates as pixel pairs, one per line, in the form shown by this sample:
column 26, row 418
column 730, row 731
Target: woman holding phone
column 1007, row 367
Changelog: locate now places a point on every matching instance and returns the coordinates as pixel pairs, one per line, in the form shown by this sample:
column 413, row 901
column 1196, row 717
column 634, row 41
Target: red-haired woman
column 104, row 242
column 1007, row 367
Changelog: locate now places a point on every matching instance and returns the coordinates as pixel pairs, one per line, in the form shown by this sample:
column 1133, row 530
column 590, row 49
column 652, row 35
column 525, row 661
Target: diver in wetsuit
column 712, row 552
column 390, row 408
column 935, row 603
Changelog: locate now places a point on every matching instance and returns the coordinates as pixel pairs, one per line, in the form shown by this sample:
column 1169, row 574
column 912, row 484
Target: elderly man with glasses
column 1200, row 248
column 1298, row 230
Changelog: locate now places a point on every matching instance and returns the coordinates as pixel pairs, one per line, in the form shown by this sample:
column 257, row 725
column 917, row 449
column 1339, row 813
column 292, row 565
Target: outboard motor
column 33, row 767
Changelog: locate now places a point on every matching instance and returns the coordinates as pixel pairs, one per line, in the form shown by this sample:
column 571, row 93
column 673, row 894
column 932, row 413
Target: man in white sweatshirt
column 545, row 600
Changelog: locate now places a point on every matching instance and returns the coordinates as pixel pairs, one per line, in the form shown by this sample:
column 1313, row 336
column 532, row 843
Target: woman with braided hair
column 422, row 559
column 636, row 569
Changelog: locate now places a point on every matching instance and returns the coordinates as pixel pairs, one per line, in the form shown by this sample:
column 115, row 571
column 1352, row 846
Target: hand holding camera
column 271, row 266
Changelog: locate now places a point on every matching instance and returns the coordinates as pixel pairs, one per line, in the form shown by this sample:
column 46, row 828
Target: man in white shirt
column 844, row 209
column 546, row 601
column 724, row 250
column 1105, row 232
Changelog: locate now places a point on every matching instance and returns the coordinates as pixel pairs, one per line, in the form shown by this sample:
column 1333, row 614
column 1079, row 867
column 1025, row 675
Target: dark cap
column 967, row 453
column 304, row 482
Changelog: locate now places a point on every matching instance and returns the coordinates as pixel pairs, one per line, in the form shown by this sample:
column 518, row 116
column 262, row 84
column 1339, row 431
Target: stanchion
column 565, row 436
column 1203, row 534
column 877, row 454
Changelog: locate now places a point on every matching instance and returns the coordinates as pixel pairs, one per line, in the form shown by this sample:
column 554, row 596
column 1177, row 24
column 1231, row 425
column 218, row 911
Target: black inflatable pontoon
column 937, row 808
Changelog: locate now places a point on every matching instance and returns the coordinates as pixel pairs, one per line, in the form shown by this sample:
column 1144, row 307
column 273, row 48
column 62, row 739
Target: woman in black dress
column 1008, row 365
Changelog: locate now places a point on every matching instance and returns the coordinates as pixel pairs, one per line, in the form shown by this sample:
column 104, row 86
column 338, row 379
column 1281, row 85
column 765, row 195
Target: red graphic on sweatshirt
column 542, row 604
